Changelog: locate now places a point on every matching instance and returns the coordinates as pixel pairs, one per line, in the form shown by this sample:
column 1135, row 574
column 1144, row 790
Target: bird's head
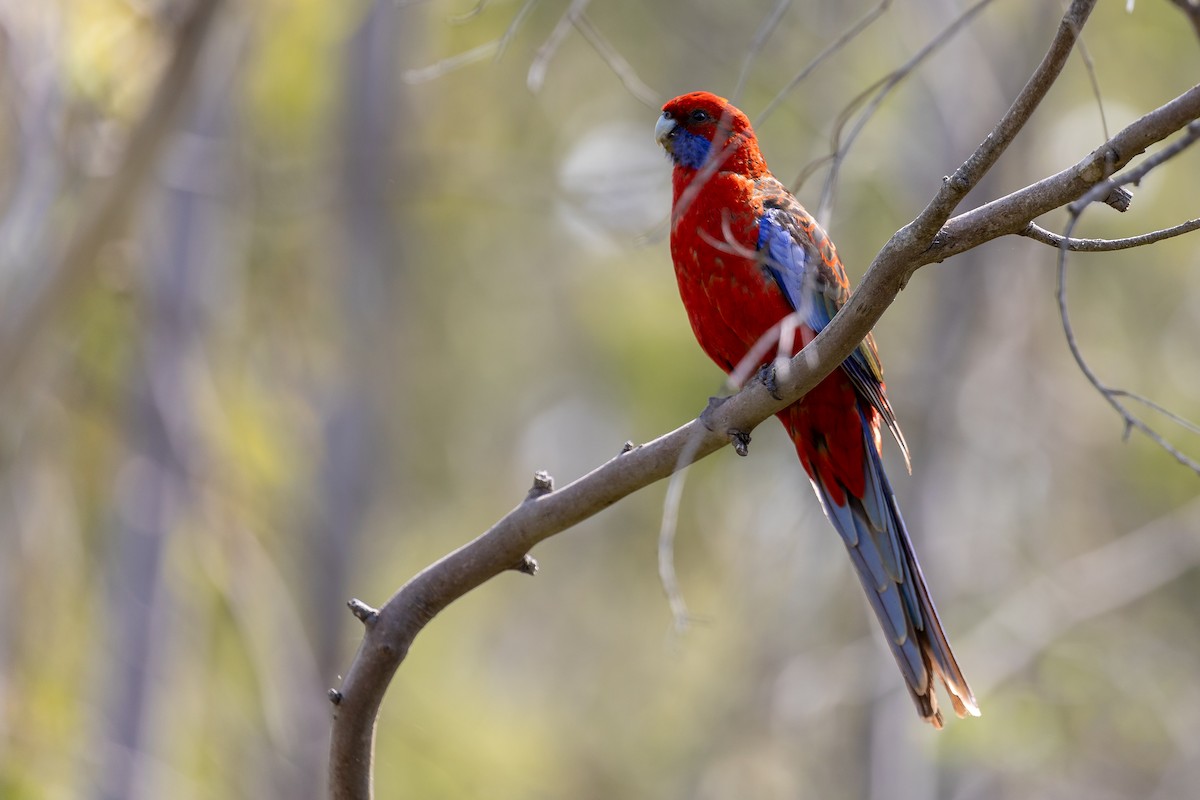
column 691, row 123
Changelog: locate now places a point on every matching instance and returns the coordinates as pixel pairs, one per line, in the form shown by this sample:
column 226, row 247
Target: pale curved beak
column 663, row 130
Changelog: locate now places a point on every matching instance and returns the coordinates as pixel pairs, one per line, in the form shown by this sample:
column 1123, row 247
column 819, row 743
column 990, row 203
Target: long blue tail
column 879, row 545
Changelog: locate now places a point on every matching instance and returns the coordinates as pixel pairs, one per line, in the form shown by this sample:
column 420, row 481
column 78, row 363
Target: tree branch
column 968, row 176
column 1013, row 212
column 390, row 632
column 1040, row 234
column 1103, row 189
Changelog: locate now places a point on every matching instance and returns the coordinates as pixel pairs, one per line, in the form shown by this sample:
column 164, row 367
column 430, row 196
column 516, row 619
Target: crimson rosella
column 746, row 256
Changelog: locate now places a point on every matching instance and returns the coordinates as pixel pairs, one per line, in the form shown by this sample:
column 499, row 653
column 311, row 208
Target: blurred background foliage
column 396, row 256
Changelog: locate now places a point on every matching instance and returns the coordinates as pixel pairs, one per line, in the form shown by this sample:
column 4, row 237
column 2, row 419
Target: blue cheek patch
column 690, row 149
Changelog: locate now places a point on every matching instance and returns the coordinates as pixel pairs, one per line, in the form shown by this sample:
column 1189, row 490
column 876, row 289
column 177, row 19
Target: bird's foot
column 739, row 439
column 706, row 415
column 766, row 374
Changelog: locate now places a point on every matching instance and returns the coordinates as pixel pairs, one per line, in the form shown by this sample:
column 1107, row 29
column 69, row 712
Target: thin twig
column 1013, row 212
column 493, row 49
column 1040, row 234
column 545, row 54
column 1088, row 586
column 617, row 63
column 680, row 617
column 1182, row 422
column 768, row 26
column 834, row 46
column 451, row 63
column 1090, row 67
column 972, row 171
column 469, row 14
column 1110, row 395
column 877, row 93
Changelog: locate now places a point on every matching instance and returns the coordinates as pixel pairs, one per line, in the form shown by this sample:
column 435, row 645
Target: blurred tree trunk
column 180, row 228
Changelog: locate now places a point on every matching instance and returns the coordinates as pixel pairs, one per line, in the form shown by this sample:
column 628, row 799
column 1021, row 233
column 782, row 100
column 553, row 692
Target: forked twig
column 837, row 44
column 1112, row 395
column 1040, row 234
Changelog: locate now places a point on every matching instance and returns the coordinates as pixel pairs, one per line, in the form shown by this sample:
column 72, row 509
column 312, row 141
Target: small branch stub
column 365, row 614
column 335, row 697
column 627, row 447
column 1119, row 199
column 741, row 442
column 543, row 484
column 528, row 565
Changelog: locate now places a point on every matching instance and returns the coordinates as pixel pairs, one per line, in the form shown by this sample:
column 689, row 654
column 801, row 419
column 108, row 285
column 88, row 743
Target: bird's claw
column 706, row 415
column 766, row 374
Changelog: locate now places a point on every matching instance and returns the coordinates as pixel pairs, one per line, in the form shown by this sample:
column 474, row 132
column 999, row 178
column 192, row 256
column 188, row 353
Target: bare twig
column 451, row 63
column 1040, row 234
column 1182, row 422
column 968, row 176
column 765, row 29
column 493, row 49
column 1083, row 588
column 680, row 617
column 617, row 63
column 834, row 46
column 1110, row 395
column 468, row 15
column 874, row 96
column 1090, row 67
column 1131, row 421
column 545, row 54
column 1013, row 212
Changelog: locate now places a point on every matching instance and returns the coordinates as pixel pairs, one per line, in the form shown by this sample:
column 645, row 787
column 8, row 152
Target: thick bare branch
column 1011, row 213
column 968, row 176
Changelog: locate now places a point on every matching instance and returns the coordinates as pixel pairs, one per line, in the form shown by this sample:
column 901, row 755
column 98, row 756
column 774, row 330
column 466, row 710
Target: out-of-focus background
column 393, row 257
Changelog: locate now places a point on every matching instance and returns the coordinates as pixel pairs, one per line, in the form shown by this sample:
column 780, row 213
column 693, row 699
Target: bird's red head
column 692, row 122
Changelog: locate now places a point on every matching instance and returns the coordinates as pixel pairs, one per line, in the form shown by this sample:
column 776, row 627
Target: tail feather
column 882, row 553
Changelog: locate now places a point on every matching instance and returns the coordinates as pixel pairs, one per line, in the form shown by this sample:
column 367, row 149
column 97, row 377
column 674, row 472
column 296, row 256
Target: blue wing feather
column 812, row 288
column 811, row 279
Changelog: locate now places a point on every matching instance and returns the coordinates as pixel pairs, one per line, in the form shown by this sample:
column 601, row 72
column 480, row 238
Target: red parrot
column 747, row 255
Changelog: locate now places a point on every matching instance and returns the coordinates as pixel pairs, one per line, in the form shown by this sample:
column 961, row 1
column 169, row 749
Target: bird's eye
column 699, row 115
